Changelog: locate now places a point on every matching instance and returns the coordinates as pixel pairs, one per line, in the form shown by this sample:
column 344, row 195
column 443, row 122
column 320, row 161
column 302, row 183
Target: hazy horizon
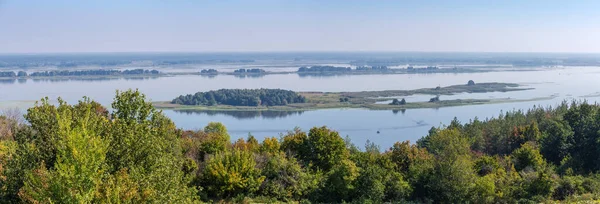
column 180, row 26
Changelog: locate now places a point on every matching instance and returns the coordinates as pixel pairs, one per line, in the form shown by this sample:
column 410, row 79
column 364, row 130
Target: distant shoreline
column 302, row 74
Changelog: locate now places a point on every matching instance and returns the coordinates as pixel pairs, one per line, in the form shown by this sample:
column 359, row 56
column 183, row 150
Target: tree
column 286, row 180
column 146, row 143
column 397, row 102
column 452, row 177
column 339, row 183
column 528, row 156
column 231, row 173
column 434, row 99
column 327, row 148
column 470, row 83
column 556, row 141
column 78, row 170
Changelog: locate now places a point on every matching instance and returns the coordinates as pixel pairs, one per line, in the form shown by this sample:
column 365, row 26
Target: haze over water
column 360, row 125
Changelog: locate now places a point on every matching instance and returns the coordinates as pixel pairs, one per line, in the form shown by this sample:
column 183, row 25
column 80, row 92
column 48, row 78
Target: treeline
column 84, row 153
column 241, row 97
column 372, row 68
column 249, row 71
column 324, row 69
column 342, row 69
column 209, row 72
column 99, row 72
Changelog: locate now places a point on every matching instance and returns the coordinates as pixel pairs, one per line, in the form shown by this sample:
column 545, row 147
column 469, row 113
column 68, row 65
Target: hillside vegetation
column 84, row 153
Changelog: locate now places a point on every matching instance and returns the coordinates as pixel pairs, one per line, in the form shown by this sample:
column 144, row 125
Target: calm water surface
column 360, row 125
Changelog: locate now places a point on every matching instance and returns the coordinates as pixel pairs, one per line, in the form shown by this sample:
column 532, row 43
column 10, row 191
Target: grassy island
column 277, row 99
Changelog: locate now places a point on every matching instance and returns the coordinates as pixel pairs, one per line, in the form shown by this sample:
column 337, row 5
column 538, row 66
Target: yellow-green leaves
column 231, row 173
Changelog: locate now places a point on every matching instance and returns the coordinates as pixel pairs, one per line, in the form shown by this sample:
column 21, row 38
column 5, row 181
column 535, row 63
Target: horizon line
column 288, row 51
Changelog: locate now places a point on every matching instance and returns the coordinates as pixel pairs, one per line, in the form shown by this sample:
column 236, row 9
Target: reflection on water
column 242, row 114
column 359, row 124
column 254, row 76
column 401, row 110
column 7, row 81
column 93, row 79
column 75, row 79
column 210, row 76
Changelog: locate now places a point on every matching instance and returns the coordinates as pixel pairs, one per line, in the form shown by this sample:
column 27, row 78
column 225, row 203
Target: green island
column 277, row 99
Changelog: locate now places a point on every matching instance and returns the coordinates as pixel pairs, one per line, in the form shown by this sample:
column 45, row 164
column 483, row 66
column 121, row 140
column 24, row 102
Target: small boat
column 377, row 131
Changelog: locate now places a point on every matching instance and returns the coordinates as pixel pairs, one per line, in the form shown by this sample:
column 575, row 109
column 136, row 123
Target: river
column 568, row 83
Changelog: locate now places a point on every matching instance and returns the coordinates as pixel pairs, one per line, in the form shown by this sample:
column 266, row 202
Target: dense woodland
column 241, row 97
column 84, row 153
column 99, row 72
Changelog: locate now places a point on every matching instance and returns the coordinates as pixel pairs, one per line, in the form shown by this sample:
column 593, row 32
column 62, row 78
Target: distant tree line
column 98, row 72
column 8, row 74
column 251, row 71
column 426, row 69
column 372, row 68
column 241, row 97
column 209, row 71
column 341, row 69
column 324, row 69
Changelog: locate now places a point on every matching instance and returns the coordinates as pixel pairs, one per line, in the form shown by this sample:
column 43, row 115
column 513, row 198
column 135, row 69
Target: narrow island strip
column 285, row 100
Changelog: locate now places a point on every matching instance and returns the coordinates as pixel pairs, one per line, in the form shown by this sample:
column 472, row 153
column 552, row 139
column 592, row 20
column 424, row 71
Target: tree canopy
column 241, row 97
column 132, row 153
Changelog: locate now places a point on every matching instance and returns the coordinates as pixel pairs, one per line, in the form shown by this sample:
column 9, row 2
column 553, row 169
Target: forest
column 133, row 153
column 241, row 97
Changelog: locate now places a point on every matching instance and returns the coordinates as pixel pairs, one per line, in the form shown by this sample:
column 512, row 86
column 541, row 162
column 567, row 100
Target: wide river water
column 571, row 83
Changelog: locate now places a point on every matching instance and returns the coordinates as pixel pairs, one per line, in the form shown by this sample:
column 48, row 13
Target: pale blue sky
column 36, row 26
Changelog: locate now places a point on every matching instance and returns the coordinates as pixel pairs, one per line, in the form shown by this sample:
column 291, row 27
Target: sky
column 73, row 26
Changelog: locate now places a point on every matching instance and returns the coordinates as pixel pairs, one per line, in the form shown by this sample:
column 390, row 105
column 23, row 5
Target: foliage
column 241, row 97
column 434, row 99
column 397, row 102
column 285, row 179
column 249, row 71
column 84, row 153
column 528, row 156
column 231, row 173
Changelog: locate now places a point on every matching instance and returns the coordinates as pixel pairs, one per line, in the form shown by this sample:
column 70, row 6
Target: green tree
column 146, row 143
column 217, row 128
column 556, row 141
column 79, row 167
column 231, row 173
column 327, row 148
column 452, row 178
column 528, row 156
column 286, row 180
column 339, row 183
